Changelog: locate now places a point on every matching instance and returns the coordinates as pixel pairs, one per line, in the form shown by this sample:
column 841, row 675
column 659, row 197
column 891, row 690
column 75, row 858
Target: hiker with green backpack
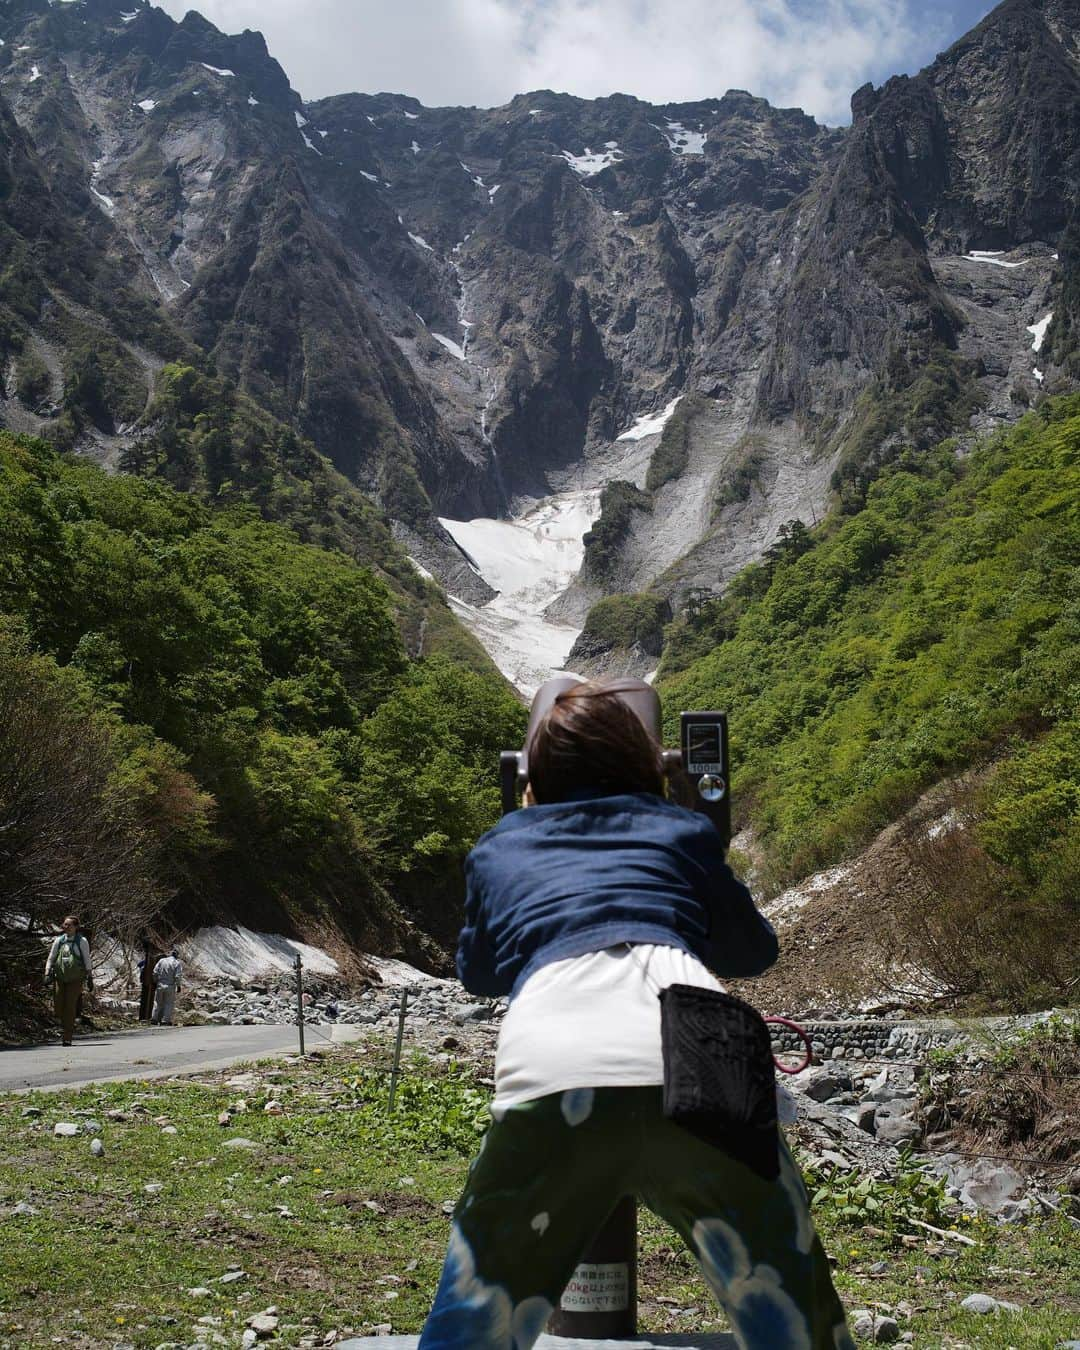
column 67, row 967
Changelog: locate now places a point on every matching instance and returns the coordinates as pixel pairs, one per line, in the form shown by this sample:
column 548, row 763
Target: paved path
column 714, row 1341
column 150, row 1052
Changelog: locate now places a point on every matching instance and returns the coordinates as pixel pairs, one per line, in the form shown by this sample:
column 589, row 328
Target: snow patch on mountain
column 783, row 909
column 684, row 142
column 530, row 561
column 648, row 424
column 1038, row 331
column 240, row 953
column 217, row 70
column 454, row 348
column 992, row 256
column 106, row 202
column 590, row 163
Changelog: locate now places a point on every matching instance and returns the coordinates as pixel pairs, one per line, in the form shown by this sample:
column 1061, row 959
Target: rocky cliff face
column 464, row 308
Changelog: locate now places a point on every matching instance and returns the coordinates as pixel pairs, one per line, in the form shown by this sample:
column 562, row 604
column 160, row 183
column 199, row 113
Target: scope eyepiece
column 699, row 772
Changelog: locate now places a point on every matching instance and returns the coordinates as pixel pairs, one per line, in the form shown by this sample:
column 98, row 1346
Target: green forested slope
column 937, row 628
column 264, row 735
column 203, row 435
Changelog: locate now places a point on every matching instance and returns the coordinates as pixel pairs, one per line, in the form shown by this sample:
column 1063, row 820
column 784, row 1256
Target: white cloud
column 796, row 54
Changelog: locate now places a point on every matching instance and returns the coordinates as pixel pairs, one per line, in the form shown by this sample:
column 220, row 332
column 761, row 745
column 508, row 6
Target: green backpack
column 69, row 965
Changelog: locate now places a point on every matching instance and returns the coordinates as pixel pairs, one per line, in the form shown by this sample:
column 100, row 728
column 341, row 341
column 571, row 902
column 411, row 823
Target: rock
column 865, row 1117
column 871, row 1326
column 988, row 1185
column 819, row 1084
column 231, row 1276
column 263, row 1324
column 983, row 1303
column 97, row 1148
column 153, row 1187
column 248, row 1339
column 65, row 1129
column 862, row 1323
column 169, row 1129
column 274, row 1109
column 31, row 1112
column 475, row 1012
column 240, row 1142
column 24, row 1210
column 894, row 1127
column 200, row 1291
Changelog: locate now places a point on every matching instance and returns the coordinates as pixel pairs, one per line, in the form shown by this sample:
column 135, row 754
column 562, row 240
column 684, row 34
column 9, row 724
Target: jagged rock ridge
column 463, row 308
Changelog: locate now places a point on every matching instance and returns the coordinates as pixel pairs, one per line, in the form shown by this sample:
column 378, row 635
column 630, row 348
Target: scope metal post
column 600, row 1301
column 300, row 1000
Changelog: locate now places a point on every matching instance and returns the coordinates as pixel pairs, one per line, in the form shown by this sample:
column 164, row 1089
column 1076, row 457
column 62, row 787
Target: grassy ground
column 338, row 1218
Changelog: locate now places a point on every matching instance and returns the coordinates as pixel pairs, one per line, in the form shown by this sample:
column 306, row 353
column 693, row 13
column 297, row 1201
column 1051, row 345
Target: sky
column 796, row 53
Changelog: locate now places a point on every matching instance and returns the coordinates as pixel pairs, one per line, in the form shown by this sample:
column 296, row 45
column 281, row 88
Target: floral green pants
column 549, row 1173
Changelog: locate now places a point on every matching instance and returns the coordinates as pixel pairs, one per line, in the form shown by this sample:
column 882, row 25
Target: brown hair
column 71, row 919
column 590, row 739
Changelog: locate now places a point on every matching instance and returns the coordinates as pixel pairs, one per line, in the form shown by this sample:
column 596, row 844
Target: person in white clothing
column 167, row 976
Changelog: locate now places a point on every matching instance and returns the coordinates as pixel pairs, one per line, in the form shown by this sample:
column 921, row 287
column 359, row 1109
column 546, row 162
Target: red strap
column 798, row 1030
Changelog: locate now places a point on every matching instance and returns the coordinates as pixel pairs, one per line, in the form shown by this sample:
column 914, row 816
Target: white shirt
column 590, row 1021
column 168, row 972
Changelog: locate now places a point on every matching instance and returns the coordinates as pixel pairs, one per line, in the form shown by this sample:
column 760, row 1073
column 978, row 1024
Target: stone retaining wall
column 869, row 1039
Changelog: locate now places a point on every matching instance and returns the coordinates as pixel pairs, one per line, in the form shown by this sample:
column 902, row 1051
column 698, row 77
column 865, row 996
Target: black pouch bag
column 718, row 1074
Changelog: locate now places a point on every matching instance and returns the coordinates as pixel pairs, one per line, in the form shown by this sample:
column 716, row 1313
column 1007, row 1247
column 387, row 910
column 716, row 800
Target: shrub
column 33, row 381
column 624, row 621
column 739, row 479
column 618, row 503
column 672, row 454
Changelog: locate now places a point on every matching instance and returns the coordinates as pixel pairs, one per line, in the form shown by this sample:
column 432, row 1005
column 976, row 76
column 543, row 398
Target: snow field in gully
column 530, row 560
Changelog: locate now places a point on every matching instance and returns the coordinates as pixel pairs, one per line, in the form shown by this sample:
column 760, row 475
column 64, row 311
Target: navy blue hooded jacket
column 555, row 881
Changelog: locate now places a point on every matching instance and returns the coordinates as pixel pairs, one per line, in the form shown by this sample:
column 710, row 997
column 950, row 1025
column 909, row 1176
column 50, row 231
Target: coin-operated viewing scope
column 698, row 772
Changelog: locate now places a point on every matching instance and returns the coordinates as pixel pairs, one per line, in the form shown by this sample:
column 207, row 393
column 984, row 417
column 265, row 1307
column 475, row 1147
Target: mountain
column 463, row 308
